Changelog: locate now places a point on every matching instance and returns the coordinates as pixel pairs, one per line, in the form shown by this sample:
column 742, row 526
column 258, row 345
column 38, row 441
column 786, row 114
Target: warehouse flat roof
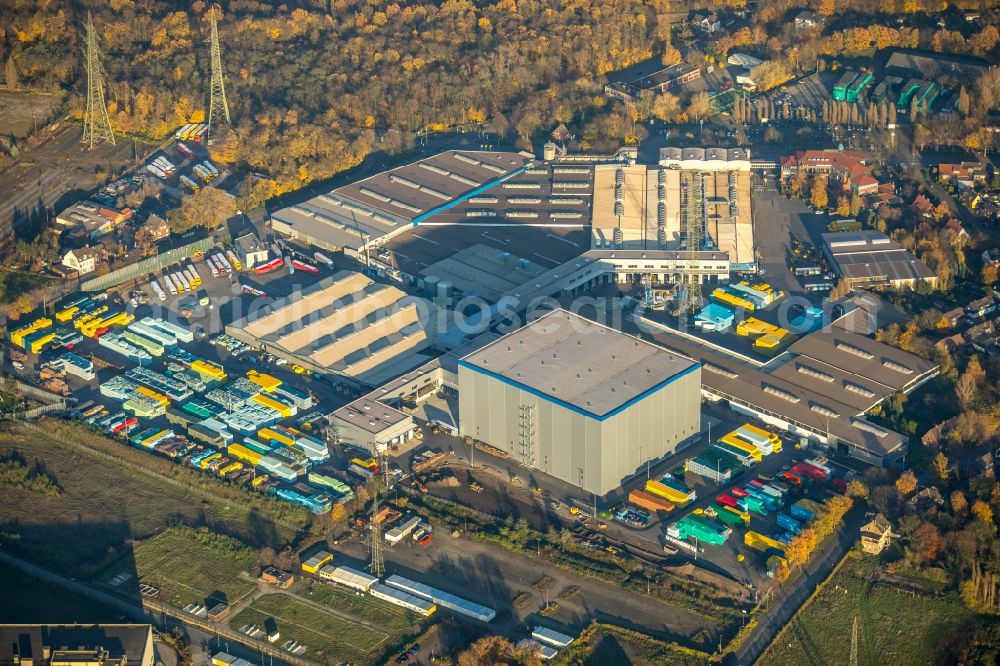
column 871, row 255
column 590, row 368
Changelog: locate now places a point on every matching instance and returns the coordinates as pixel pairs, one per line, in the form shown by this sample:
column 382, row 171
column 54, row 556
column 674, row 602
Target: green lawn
column 894, row 626
column 329, row 638
column 364, row 607
column 103, row 507
column 190, row 566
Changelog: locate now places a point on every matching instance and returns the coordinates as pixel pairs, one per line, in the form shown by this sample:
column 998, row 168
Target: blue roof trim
column 574, row 408
column 468, row 195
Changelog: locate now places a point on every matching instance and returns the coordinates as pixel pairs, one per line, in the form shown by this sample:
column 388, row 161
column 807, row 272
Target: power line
column 96, row 123
column 217, row 103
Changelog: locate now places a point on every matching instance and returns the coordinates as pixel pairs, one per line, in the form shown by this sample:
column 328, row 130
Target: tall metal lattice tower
column 376, row 564
column 693, row 216
column 217, row 105
column 96, row 124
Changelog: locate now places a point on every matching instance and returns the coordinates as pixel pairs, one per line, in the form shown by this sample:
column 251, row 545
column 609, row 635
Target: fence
column 146, row 266
column 40, row 395
column 43, row 410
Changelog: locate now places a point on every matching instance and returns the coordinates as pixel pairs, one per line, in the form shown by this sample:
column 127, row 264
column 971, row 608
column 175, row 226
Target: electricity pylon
column 217, row 103
column 96, row 124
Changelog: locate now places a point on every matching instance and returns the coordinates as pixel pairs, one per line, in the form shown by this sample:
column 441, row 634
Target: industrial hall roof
column 585, row 366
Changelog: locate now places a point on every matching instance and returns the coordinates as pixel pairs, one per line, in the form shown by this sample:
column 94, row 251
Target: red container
column 793, row 478
column 727, row 500
column 739, row 492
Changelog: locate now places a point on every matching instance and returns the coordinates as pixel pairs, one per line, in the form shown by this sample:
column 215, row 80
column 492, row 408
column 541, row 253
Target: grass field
column 367, row 608
column 894, row 626
column 28, row 600
column 609, row 645
column 103, row 507
column 190, row 566
column 329, row 638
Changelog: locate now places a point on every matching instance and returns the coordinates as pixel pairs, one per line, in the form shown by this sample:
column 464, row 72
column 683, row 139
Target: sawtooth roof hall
column 379, row 207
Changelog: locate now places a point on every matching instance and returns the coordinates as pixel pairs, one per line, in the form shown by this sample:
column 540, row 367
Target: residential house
column 925, row 498
column 983, row 465
column 950, row 344
column 876, row 534
column 922, row 206
column 706, row 22
column 83, row 260
column 983, row 307
column 983, row 337
column 965, row 174
column 953, row 316
column 809, row 19
column 562, row 134
column 956, row 230
column 155, row 229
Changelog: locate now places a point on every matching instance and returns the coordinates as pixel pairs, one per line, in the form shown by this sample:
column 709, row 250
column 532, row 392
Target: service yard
column 329, row 635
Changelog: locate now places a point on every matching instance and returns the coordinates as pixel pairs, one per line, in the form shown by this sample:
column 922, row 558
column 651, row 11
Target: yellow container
column 150, row 393
column 666, row 492
column 771, row 437
column 280, row 407
column 231, row 467
column 267, row 435
column 208, row 369
column 67, row 314
column 205, row 462
column 243, row 453
column 758, row 541
column 266, row 382
column 732, row 440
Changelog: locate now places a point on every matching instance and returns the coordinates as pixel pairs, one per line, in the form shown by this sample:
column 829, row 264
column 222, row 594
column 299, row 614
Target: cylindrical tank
column 444, row 289
column 549, row 151
column 431, row 285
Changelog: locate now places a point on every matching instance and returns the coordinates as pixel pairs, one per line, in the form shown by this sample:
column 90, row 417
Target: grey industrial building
column 579, row 401
column 872, row 259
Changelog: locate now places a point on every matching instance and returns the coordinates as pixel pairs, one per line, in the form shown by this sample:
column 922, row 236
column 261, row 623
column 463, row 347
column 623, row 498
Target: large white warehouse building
column 579, row 401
